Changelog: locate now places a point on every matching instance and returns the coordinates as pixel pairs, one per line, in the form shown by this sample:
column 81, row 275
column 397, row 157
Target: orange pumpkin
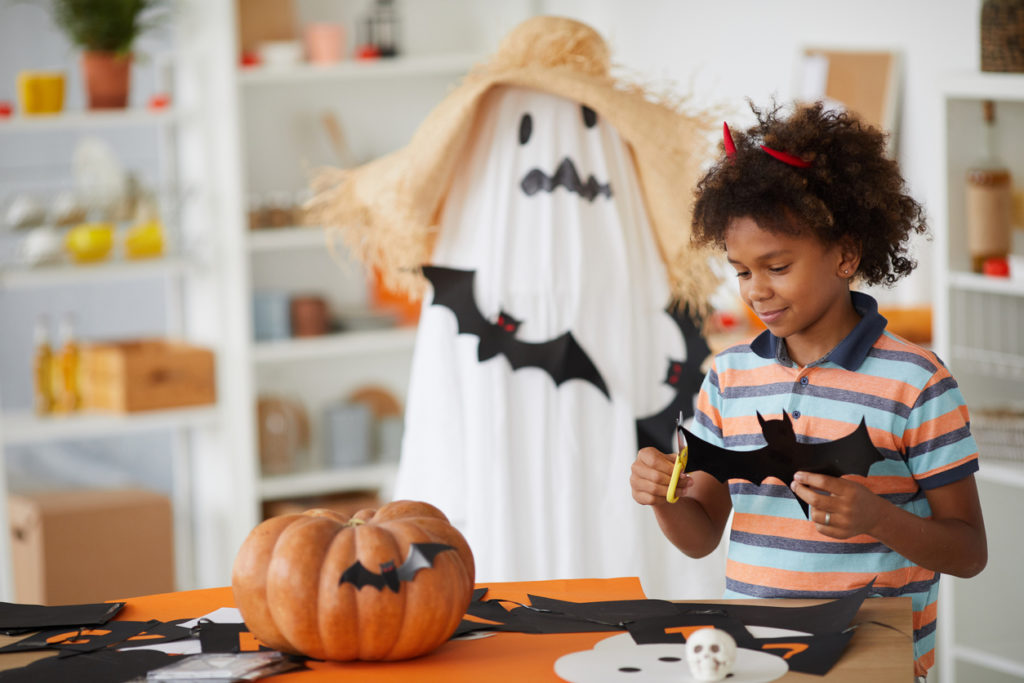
column 332, row 587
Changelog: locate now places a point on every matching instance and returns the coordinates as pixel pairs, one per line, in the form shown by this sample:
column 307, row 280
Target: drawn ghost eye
column 668, row 659
column 589, row 116
column 629, row 669
column 525, row 128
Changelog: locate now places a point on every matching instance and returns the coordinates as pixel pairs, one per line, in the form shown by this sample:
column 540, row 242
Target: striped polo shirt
column 915, row 416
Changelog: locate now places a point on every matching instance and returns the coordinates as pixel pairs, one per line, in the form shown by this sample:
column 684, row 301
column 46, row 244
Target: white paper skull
column 711, row 654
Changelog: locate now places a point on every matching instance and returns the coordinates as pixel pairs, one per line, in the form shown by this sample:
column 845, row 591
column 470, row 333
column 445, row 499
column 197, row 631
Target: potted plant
column 105, row 30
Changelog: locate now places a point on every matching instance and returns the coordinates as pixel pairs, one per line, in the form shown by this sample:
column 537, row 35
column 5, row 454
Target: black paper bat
column 562, row 357
column 421, row 556
column 783, row 455
column 685, row 377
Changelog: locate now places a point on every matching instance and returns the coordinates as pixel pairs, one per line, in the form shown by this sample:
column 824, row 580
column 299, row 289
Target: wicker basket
column 1000, row 434
column 1002, row 35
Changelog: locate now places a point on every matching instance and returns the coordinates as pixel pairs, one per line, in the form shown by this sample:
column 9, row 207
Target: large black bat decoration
column 562, row 357
column 684, row 376
column 421, row 556
column 783, row 455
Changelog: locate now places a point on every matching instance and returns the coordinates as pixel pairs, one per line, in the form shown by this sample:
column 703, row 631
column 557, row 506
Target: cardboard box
column 146, row 374
column 81, row 546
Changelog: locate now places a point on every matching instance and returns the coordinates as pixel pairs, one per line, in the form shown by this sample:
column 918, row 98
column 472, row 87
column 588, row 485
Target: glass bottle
column 988, row 199
column 70, row 397
column 42, row 367
column 385, row 27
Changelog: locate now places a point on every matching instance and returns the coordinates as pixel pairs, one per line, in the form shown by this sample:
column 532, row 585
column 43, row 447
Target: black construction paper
column 661, row 621
column 19, row 618
column 226, row 638
column 562, row 357
column 783, row 456
column 79, row 638
column 827, row 617
column 106, row 666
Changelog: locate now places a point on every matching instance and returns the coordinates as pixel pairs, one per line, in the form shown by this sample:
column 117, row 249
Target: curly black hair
column 851, row 191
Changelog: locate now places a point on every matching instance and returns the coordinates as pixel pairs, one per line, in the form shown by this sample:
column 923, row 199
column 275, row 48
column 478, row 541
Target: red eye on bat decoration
column 302, row 585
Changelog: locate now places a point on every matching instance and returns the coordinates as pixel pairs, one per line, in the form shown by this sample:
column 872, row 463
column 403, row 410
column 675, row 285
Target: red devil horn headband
column 730, row 146
column 730, row 150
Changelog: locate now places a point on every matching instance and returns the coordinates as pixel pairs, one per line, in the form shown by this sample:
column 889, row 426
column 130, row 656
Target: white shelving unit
column 173, row 272
column 378, row 105
column 199, row 283
column 979, row 332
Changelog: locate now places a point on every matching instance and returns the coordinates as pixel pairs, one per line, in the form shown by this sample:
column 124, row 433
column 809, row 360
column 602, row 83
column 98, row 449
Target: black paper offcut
column 827, row 617
column 109, row 666
column 19, row 618
column 79, row 638
column 222, row 638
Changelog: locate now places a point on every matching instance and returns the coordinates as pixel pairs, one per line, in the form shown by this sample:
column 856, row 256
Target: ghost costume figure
column 546, row 212
column 542, row 210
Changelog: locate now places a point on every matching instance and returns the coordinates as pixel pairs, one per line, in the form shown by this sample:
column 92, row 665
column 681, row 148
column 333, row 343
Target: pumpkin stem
column 355, row 522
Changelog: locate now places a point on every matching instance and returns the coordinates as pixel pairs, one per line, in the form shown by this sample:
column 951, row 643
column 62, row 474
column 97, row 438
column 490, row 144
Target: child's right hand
column 650, row 475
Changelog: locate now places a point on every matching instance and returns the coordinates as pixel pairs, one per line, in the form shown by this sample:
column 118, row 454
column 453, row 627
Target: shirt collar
column 849, row 353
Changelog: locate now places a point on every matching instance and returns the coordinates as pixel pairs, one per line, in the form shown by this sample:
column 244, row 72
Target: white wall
column 728, row 50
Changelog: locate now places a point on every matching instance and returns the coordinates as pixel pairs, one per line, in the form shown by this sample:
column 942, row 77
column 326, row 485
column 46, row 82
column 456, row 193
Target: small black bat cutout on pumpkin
column 562, row 357
column 421, row 556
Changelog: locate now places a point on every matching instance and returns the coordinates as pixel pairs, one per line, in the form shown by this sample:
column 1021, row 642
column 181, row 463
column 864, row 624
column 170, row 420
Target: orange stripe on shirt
column 798, row 529
column 785, row 579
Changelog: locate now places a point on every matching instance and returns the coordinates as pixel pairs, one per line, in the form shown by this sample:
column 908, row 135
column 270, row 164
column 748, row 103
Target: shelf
column 974, row 282
column 990, row 661
column 104, row 271
column 332, row 345
column 394, row 67
column 979, row 85
column 988, row 362
column 22, row 428
column 321, row 482
column 276, row 239
column 1001, row 472
column 74, row 120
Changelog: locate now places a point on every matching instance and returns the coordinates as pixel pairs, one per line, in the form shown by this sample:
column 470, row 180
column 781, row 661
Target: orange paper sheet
column 501, row 657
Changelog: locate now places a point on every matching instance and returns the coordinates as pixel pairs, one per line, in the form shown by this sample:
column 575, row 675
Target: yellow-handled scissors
column 680, row 466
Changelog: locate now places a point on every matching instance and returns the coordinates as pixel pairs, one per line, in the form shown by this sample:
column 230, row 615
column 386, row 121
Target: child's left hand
column 840, row 508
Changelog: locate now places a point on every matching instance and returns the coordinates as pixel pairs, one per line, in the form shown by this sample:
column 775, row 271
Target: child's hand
column 840, row 508
column 650, row 475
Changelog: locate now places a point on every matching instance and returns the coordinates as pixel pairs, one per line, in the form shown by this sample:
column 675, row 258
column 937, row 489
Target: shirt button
column 796, row 414
column 803, row 381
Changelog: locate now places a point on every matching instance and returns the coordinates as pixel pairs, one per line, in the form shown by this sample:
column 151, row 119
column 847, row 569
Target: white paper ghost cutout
column 619, row 658
column 545, row 208
column 711, row 654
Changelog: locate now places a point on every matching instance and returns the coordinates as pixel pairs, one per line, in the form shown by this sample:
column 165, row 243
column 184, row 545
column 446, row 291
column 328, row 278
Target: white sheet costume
column 563, row 196
column 546, row 210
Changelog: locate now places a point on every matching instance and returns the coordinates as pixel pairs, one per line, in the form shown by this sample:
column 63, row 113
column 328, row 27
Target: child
column 803, row 205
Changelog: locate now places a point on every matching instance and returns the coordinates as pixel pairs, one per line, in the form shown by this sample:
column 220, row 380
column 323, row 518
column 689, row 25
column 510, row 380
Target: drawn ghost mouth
column 564, row 176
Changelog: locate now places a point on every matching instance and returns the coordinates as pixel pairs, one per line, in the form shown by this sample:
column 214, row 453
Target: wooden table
column 875, row 653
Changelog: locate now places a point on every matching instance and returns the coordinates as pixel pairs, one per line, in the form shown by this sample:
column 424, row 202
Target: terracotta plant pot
column 107, row 79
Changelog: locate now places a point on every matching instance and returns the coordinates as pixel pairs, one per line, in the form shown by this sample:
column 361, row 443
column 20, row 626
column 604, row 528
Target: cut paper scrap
column 783, row 456
column 618, row 658
column 193, row 646
column 102, row 665
column 19, row 618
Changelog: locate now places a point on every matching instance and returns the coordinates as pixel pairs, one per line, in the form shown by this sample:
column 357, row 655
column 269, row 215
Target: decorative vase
column 107, row 79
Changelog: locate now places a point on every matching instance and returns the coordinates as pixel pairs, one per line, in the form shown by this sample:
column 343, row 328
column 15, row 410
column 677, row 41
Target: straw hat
column 387, row 211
